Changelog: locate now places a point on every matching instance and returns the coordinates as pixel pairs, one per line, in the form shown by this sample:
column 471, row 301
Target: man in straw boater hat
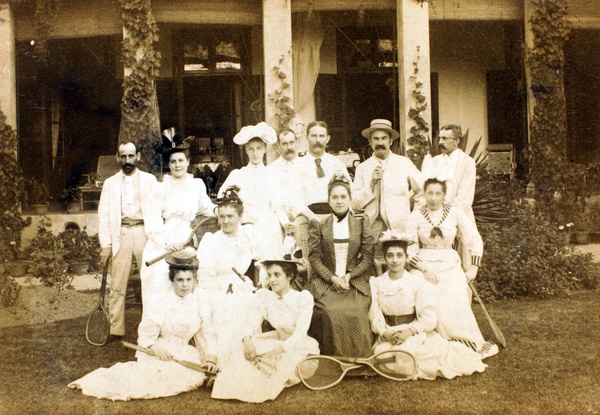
column 384, row 183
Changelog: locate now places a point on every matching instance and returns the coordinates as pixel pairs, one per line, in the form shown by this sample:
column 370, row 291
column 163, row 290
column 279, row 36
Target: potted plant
column 71, row 199
column 47, row 254
column 79, row 250
column 38, row 196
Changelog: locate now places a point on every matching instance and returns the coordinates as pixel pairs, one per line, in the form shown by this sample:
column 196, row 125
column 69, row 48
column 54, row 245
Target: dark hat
column 380, row 124
column 230, row 196
column 183, row 260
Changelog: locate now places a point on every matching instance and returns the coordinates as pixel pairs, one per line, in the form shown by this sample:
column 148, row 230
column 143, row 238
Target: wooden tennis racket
column 497, row 332
column 185, row 243
column 322, row 372
column 97, row 326
column 190, row 365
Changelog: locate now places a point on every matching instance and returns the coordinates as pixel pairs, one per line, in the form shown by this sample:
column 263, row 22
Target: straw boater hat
column 183, row 260
column 380, row 124
column 261, row 130
column 391, row 236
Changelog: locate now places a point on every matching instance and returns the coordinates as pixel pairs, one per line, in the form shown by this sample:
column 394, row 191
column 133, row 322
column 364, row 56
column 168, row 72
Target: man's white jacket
column 109, row 209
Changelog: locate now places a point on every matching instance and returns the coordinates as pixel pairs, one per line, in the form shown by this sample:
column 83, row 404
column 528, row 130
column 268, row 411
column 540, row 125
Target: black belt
column 130, row 223
column 402, row 319
column 322, row 208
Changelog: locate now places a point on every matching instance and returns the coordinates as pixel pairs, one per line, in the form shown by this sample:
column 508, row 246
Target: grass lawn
column 551, row 366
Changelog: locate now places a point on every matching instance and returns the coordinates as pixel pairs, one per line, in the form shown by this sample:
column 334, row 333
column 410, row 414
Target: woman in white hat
column 256, row 186
column 404, row 317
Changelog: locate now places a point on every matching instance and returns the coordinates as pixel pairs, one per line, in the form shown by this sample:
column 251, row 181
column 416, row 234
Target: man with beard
column 123, row 215
column 455, row 167
column 384, row 183
column 318, row 168
column 289, row 183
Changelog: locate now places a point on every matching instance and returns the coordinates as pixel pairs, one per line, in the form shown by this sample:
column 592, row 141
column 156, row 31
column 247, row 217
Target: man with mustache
column 290, row 183
column 318, row 168
column 124, row 217
column 456, row 167
column 385, row 182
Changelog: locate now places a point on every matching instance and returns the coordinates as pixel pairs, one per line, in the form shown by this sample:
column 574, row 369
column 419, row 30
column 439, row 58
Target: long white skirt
column 437, row 357
column 242, row 380
column 145, row 378
column 452, row 296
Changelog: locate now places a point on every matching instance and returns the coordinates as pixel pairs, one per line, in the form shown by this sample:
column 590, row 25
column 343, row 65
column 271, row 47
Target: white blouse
column 290, row 315
column 410, row 294
column 341, row 242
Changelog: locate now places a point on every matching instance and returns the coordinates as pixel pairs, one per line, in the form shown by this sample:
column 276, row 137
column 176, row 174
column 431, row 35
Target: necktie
column 129, row 196
column 320, row 172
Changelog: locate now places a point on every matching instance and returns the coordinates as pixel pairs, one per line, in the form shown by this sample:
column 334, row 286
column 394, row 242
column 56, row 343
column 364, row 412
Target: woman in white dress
column 256, row 187
column 176, row 201
column 403, row 317
column 222, row 256
column 184, row 313
column 434, row 227
column 262, row 365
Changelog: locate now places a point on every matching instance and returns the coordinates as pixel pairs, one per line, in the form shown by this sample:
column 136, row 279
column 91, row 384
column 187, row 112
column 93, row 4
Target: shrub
column 529, row 256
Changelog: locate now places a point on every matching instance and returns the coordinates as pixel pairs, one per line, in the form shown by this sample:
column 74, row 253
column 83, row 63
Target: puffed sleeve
column 466, row 186
column 154, row 222
column 205, row 205
column 424, row 307
column 378, row 324
column 258, row 313
column 411, row 230
column 315, row 253
column 206, row 338
column 206, row 258
column 305, row 303
column 232, row 179
column 148, row 331
column 470, row 236
column 367, row 245
column 415, row 179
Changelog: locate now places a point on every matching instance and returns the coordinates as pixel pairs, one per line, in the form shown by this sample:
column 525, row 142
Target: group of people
column 420, row 305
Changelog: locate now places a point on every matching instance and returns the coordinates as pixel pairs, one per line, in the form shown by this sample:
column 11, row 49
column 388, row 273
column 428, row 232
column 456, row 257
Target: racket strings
column 97, row 328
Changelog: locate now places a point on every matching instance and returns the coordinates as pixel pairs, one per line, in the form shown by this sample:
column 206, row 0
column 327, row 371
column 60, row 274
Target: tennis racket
column 190, row 365
column 97, row 327
column 322, row 372
column 186, row 242
column 497, row 332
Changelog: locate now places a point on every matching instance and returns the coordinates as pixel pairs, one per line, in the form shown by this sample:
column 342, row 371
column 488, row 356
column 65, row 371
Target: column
column 277, row 47
column 413, row 66
column 8, row 79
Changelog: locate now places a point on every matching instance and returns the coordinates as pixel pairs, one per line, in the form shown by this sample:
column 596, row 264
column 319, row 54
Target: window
column 212, row 50
column 367, row 49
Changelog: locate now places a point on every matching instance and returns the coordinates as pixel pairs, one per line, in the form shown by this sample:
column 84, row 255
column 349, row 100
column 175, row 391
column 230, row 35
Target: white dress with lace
column 412, row 295
column 290, row 316
column 177, row 202
column 178, row 320
column 434, row 250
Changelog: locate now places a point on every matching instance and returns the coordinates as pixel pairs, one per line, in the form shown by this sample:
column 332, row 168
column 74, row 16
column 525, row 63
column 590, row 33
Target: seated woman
column 340, row 254
column 225, row 257
column 257, row 186
column 184, row 314
column 404, row 318
column 262, row 365
column 435, row 226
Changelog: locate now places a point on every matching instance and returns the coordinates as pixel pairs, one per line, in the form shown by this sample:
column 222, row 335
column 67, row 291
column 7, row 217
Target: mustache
column 290, row 151
column 380, row 147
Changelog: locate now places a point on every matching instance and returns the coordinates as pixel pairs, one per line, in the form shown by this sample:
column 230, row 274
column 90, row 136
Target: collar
column 454, row 154
column 342, row 218
column 134, row 175
column 255, row 166
column 313, row 158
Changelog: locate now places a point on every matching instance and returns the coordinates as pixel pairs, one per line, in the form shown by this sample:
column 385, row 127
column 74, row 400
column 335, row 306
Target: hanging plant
column 419, row 132
column 279, row 98
column 140, row 121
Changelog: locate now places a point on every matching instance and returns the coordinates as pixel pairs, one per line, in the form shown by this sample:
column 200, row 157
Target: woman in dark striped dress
column 340, row 254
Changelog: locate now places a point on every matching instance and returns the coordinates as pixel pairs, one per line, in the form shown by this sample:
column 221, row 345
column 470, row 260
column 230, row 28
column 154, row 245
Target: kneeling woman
column 340, row 254
column 183, row 314
column 266, row 363
column 404, row 317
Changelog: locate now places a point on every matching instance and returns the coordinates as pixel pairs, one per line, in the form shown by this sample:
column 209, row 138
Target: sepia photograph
column 299, row 207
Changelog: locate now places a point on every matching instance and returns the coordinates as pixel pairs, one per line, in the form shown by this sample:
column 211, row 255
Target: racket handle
column 158, row 258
